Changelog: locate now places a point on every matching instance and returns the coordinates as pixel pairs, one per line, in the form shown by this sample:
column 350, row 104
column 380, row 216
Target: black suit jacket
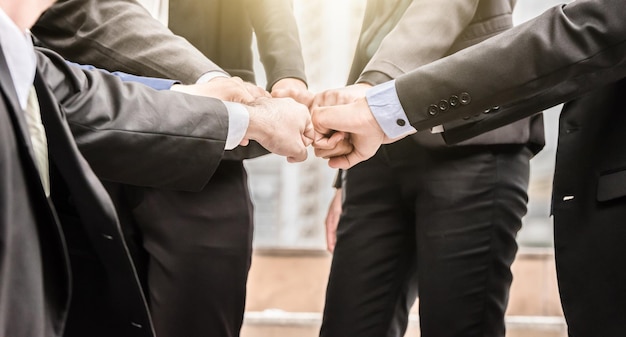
column 574, row 53
column 78, row 225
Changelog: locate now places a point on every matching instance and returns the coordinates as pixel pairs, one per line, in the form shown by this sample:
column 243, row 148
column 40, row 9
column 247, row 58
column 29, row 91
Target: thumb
column 338, row 118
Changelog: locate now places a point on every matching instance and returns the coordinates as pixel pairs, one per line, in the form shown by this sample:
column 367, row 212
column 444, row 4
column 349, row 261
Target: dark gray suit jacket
column 425, row 32
column 120, row 35
column 573, row 53
column 100, row 295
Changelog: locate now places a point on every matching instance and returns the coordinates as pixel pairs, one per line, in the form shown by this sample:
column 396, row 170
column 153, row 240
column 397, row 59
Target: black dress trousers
column 441, row 223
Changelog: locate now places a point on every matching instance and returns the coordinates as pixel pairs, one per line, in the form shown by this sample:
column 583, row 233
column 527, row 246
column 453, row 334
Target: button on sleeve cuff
column 386, row 108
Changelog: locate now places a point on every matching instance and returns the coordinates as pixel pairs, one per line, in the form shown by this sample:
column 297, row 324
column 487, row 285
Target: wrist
column 257, row 125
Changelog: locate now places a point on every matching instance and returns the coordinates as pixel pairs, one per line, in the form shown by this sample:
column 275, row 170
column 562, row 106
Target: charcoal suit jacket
column 574, row 53
column 64, row 265
column 120, row 35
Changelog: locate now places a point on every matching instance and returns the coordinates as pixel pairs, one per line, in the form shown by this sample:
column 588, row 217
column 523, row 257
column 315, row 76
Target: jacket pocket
column 612, row 185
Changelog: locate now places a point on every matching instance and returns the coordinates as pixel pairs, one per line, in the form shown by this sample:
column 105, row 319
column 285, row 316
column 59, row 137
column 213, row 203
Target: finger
column 330, row 235
column 256, row 91
column 243, row 96
column 319, row 119
column 306, row 141
column 309, row 134
column 330, row 118
column 346, row 161
column 328, row 142
column 325, row 98
column 341, row 149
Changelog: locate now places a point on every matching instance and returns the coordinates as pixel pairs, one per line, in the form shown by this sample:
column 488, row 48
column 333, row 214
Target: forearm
column 119, row 35
column 277, row 38
column 425, row 33
column 132, row 134
column 562, row 54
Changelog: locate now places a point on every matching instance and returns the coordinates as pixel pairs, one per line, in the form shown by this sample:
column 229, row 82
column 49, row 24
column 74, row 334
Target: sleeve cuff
column 211, row 75
column 387, row 109
column 238, row 120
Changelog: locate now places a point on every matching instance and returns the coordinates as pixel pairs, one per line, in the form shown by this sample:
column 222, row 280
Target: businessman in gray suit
column 421, row 216
column 193, row 248
column 573, row 54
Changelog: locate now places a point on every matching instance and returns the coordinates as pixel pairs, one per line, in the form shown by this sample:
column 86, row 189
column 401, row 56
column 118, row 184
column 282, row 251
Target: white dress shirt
column 22, row 64
column 386, row 107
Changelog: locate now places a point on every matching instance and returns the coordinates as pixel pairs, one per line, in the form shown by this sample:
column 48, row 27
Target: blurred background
column 290, row 264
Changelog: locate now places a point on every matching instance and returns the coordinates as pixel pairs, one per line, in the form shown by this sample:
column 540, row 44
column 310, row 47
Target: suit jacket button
column 433, row 110
column 443, row 105
column 454, row 101
column 401, row 122
column 465, row 98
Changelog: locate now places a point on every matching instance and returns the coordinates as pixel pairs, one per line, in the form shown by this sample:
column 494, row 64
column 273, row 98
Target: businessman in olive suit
column 573, row 54
column 193, row 248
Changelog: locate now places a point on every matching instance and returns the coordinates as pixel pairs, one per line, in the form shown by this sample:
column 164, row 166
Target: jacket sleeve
column 277, row 39
column 560, row 55
column 132, row 134
column 423, row 34
column 119, row 35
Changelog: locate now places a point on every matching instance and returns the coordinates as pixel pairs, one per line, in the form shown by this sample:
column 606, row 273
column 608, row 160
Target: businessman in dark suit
column 65, row 268
column 193, row 248
column 441, row 221
column 573, row 54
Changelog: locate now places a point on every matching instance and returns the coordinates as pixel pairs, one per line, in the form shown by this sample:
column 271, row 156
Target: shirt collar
column 19, row 53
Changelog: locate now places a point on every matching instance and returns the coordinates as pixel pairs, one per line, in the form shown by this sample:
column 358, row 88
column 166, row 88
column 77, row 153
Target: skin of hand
column 338, row 143
column 232, row 89
column 282, row 126
column 357, row 120
column 294, row 88
column 332, row 220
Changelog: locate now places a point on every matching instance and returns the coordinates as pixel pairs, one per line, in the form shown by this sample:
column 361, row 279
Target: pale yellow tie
column 38, row 139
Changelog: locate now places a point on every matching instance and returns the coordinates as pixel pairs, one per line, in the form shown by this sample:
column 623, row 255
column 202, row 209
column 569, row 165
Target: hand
column 336, row 143
column 332, row 220
column 282, row 126
column 366, row 136
column 340, row 96
column 294, row 88
column 225, row 88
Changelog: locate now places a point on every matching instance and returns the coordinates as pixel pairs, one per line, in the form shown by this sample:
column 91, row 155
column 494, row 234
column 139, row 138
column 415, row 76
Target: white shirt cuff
column 209, row 75
column 386, row 108
column 238, row 120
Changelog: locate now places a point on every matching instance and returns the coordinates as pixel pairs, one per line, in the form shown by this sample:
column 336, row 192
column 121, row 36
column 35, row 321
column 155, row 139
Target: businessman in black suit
column 573, row 54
